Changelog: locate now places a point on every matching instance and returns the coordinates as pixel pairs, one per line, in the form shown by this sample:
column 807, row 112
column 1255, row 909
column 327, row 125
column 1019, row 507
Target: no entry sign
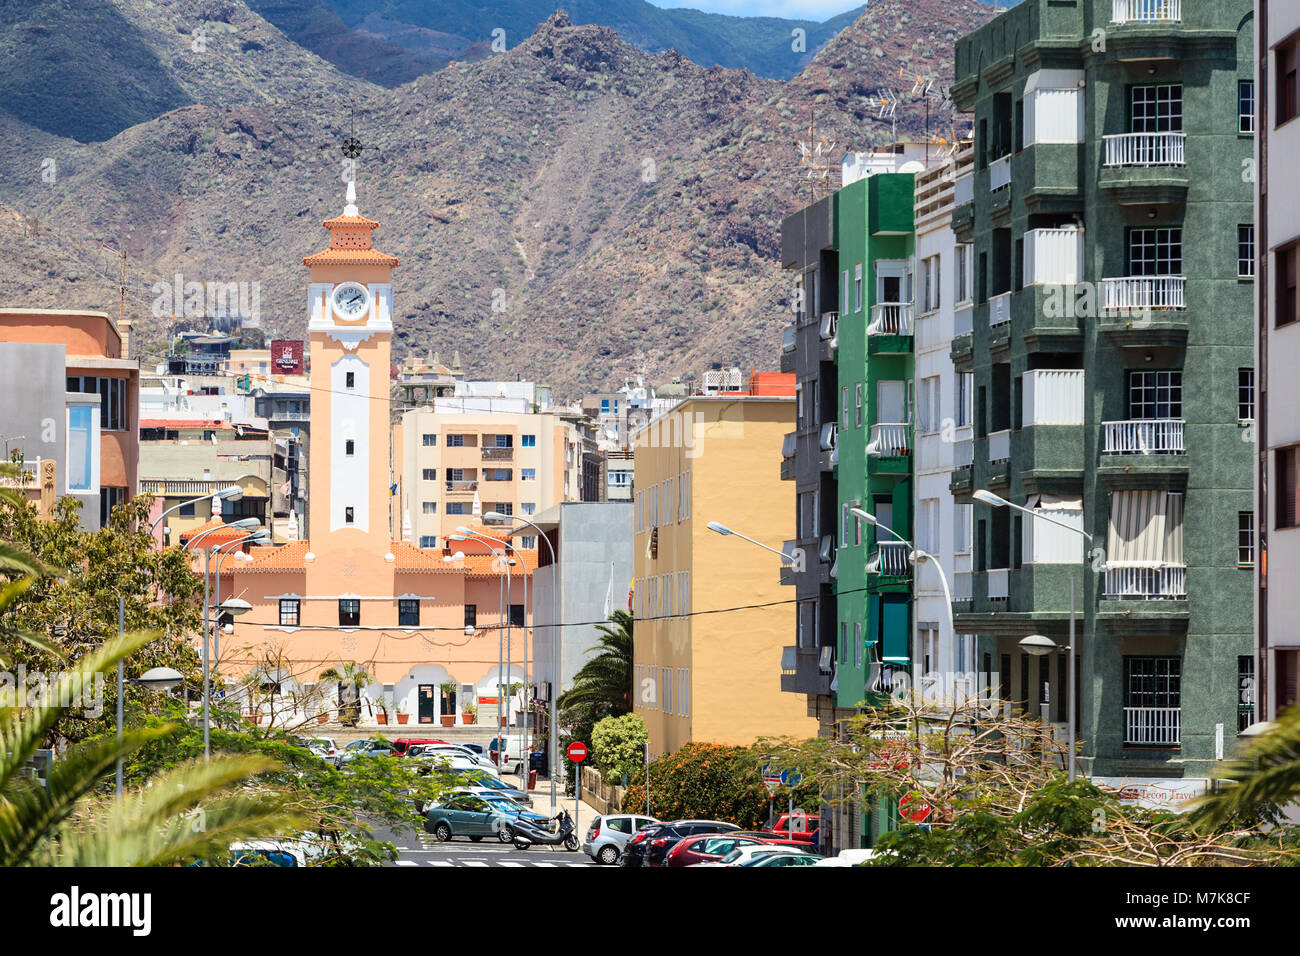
column 577, row 752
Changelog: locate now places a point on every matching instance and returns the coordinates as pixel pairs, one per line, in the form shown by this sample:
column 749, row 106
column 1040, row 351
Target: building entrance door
column 426, row 707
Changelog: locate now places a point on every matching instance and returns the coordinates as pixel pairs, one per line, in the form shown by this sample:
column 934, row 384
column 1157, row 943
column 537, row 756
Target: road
column 422, row 849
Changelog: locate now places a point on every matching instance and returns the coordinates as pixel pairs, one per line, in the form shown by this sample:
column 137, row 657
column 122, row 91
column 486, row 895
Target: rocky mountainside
column 573, row 210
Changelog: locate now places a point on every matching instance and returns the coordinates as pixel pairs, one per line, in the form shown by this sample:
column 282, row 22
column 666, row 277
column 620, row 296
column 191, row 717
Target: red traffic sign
column 914, row 809
column 577, row 752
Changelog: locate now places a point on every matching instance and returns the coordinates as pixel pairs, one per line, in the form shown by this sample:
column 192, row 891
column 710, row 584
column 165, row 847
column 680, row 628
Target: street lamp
column 722, row 529
column 156, row 678
column 503, row 600
column 557, row 638
column 989, row 498
column 229, row 493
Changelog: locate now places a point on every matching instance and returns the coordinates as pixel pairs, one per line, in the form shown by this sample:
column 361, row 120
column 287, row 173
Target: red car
column 402, row 744
column 714, row 846
column 780, row 827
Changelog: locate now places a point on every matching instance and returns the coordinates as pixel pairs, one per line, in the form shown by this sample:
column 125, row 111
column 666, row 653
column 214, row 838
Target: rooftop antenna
column 939, row 100
column 818, row 170
column 119, row 253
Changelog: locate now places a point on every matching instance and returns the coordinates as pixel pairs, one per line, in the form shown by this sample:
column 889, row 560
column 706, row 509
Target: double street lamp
column 1036, row 644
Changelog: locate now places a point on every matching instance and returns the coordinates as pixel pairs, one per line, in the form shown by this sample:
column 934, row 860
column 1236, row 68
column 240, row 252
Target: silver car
column 607, row 835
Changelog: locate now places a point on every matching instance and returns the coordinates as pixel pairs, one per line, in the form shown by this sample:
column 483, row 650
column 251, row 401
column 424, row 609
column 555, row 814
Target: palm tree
column 185, row 816
column 351, row 675
column 1266, row 775
column 604, row 684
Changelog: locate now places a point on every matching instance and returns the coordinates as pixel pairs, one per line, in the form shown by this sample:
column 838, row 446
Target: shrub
column 708, row 781
column 616, row 744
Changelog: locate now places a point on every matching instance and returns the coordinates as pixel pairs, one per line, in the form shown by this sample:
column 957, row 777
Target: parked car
column 797, row 858
column 267, row 853
column 325, row 747
column 506, row 805
column 402, row 744
column 483, row 779
column 455, row 750
column 362, row 748
column 650, row 845
column 457, row 762
column 779, row 826
column 710, row 846
column 749, row 855
column 463, row 814
column 510, row 749
column 851, row 857
column 477, row 748
column 608, row 835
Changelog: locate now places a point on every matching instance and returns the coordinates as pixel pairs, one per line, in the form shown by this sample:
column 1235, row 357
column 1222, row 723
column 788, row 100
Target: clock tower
column 350, row 324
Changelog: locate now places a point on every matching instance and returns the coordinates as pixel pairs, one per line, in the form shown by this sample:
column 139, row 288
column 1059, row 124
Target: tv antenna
column 819, row 171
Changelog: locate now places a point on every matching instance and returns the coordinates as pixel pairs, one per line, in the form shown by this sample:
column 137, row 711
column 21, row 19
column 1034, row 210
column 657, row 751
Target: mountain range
column 574, row 209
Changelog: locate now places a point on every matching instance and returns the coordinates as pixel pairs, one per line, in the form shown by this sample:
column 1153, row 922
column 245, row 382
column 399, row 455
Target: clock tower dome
column 350, row 324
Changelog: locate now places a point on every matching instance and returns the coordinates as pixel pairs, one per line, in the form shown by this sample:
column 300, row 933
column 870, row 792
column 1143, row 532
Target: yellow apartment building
column 713, row 676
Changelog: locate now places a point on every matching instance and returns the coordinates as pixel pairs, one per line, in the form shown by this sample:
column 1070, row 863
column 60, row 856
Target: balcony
column 999, row 581
column 829, row 334
column 1000, row 173
column 1145, row 436
column 1153, row 726
column 961, row 587
column 806, row 670
column 1145, row 582
column 1000, row 445
column 1146, row 149
column 1146, row 11
column 827, row 442
column 890, row 559
column 891, row 318
column 999, row 310
column 1053, row 256
column 1139, row 293
column 963, row 189
column 462, row 487
column 890, row 440
column 498, row 454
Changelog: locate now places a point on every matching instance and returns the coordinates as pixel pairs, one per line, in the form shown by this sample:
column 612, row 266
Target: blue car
column 508, row 806
column 483, row 779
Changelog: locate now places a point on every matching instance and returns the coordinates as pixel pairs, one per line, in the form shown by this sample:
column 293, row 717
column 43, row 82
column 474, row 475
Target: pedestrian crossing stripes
column 480, row 863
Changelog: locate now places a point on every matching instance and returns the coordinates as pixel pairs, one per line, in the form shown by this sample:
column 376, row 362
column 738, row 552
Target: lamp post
column 156, row 678
column 557, row 636
column 229, row 493
column 503, row 599
column 260, row 536
column 722, row 529
column 1035, row 647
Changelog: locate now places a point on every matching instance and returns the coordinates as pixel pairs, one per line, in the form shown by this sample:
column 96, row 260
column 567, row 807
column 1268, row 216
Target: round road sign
column 577, row 751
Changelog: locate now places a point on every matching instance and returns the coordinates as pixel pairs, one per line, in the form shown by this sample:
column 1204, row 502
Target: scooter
column 526, row 834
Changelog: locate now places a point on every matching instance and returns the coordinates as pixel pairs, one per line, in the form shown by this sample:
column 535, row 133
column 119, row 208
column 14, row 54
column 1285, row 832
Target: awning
column 1146, row 529
column 1055, row 502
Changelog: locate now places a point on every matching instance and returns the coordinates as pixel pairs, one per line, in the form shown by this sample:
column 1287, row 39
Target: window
column 428, row 540
column 1152, row 691
column 844, row 290
column 930, row 288
column 349, row 447
column 1155, row 252
column 963, row 273
column 349, row 612
column 857, row 287
column 1158, row 109
column 186, row 510
column 1245, row 692
column 1287, row 305
column 1245, row 395
column 504, row 507
column 429, row 507
column 350, row 379
column 962, row 400
column 844, row 407
column 456, row 441
column 1155, row 395
column 931, row 408
column 349, row 515
column 408, row 612
column 528, row 441
column 1288, row 82
column 857, row 406
column 1246, row 251
column 528, row 474
column 458, row 507
column 471, row 615
column 604, row 406
column 516, row 615
column 1246, row 106
column 1245, row 538
column 528, row 508
column 499, row 474
column 857, row 643
column 666, row 682
column 429, row 474
column 1286, row 475
column 961, row 525
column 112, row 398
column 290, row 612
column 429, row 441
column 528, row 542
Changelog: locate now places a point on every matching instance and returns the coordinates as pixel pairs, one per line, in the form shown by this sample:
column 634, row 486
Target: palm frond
column 1268, row 773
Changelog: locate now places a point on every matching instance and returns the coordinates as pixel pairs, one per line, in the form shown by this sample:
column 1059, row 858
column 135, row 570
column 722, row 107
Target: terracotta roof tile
column 350, row 257
column 354, row 221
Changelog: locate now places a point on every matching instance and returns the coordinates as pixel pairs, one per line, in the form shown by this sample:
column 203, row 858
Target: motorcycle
column 526, row 834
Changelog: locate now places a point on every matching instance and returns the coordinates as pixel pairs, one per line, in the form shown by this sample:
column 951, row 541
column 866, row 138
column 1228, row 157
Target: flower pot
column 383, row 719
column 322, row 718
column 448, row 720
column 403, row 718
column 468, row 718
column 249, row 718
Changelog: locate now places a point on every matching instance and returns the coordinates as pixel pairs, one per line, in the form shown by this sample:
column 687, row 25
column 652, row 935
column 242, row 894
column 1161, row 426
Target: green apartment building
column 1111, row 346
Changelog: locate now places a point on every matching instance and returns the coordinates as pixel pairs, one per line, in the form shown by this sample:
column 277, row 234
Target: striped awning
column 1146, row 529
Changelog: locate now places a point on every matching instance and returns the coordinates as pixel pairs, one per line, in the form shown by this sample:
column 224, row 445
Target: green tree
column 355, row 678
column 616, row 746
column 602, row 687
column 1267, row 775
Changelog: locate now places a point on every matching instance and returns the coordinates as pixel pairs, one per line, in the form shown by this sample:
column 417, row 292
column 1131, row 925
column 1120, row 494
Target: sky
column 818, row 10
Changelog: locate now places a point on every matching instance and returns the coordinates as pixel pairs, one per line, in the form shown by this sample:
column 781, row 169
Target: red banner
column 286, row 356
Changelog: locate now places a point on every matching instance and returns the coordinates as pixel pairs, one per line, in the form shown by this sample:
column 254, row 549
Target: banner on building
column 286, row 356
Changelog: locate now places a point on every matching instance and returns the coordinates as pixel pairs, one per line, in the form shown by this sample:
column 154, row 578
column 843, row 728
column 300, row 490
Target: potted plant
column 448, row 688
column 403, row 714
column 323, row 717
column 469, row 714
column 381, row 711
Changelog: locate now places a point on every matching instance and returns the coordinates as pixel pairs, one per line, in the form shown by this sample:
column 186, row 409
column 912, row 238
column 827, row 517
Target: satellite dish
column 912, row 166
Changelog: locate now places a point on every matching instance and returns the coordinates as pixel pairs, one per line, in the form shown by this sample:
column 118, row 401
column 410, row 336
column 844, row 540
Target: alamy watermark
column 71, row 690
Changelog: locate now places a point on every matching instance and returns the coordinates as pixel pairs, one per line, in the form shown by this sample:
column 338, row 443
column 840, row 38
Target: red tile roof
column 350, row 257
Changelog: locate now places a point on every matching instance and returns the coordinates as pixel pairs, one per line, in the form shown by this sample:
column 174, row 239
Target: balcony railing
column 999, row 309
column 1163, row 436
column 999, row 173
column 1144, row 292
column 462, row 486
column 1146, row 583
column 830, row 327
column 1153, row 726
column 890, row 558
column 1000, row 445
column 498, row 454
column 1146, row 149
column 963, row 189
column 963, row 453
column 961, row 586
column 891, row 318
column 963, row 320
column 999, row 584
column 1146, row 11
column 890, row 440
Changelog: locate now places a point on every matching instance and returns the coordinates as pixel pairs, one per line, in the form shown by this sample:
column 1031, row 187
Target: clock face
column 350, row 300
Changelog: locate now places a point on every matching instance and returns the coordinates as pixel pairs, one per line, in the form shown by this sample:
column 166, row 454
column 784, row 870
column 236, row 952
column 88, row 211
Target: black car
column 651, row 844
